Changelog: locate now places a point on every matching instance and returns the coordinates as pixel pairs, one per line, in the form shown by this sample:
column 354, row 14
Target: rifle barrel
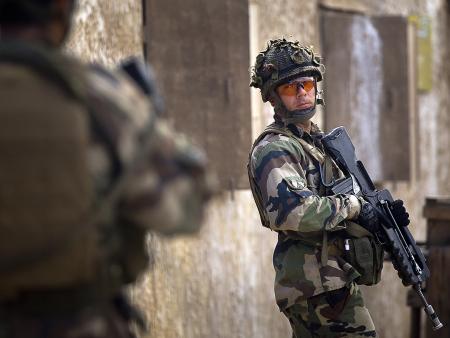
column 428, row 308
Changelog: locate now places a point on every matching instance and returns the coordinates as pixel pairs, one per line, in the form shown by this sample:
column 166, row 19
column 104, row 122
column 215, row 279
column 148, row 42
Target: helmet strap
column 319, row 95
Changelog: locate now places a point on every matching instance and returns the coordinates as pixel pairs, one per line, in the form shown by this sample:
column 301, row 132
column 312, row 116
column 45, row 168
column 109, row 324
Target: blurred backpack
column 45, row 186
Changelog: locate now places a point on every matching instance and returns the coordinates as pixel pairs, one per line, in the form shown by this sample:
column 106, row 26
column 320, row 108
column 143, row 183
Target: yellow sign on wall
column 424, row 52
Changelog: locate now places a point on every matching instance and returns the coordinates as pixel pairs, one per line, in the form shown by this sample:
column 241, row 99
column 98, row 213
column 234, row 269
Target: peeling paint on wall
column 107, row 31
column 365, row 102
column 293, row 19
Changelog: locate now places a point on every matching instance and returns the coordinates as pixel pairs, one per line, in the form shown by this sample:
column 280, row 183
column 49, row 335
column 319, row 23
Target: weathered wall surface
column 219, row 284
column 107, row 31
column 290, row 19
column 433, row 107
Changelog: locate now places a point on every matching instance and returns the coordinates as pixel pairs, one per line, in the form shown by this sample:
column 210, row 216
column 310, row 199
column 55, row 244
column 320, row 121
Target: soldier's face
column 298, row 94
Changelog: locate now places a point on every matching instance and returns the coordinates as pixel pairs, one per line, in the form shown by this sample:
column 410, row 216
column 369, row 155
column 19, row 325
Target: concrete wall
column 107, row 31
column 290, row 19
column 219, row 284
column 433, row 117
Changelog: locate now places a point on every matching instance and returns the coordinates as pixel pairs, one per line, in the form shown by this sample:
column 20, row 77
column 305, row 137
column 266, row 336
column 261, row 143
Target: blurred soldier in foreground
column 325, row 241
column 86, row 170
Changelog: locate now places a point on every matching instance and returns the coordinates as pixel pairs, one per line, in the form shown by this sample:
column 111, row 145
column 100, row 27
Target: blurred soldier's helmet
column 281, row 62
column 26, row 11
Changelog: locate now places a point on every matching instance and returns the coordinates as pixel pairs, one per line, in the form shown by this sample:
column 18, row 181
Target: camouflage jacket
column 287, row 183
column 168, row 188
column 165, row 189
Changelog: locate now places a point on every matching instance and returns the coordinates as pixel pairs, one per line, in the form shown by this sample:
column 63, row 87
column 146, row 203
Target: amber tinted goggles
column 292, row 87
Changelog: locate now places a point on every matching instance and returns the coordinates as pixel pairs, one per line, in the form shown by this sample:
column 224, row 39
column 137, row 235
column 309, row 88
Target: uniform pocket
column 330, row 304
column 366, row 256
column 297, row 185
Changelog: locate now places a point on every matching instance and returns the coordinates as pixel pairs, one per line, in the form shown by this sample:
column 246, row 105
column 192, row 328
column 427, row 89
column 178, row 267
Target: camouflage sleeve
column 169, row 186
column 169, row 189
column 279, row 170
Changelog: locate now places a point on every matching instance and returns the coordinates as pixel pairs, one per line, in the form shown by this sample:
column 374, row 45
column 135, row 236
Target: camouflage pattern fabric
column 166, row 193
column 339, row 313
column 293, row 200
column 166, row 190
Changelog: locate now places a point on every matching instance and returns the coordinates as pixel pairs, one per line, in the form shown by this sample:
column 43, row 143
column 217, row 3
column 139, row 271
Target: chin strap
column 319, row 95
column 300, row 116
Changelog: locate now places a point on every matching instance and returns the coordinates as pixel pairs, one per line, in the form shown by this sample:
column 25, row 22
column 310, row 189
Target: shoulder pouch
column 365, row 254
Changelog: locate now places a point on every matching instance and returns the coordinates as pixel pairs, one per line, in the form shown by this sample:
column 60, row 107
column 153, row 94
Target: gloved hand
column 399, row 212
column 368, row 218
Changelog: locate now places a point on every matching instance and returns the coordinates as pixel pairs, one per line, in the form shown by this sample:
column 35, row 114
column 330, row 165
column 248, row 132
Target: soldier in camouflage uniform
column 86, row 170
column 289, row 172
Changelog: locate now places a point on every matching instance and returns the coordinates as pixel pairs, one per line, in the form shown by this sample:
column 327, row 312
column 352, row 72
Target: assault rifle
column 406, row 256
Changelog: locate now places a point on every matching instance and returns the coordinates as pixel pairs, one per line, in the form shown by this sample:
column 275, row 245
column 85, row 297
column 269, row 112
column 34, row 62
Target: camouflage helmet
column 282, row 61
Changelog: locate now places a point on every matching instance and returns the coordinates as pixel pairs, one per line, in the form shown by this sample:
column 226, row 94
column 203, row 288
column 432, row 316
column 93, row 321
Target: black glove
column 399, row 212
column 368, row 218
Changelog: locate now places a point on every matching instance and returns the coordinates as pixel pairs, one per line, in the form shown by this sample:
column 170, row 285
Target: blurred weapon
column 144, row 77
column 406, row 255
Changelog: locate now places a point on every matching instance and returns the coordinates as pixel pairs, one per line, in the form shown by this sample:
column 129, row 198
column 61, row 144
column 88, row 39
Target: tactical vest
column 51, row 225
column 364, row 260
column 322, row 159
